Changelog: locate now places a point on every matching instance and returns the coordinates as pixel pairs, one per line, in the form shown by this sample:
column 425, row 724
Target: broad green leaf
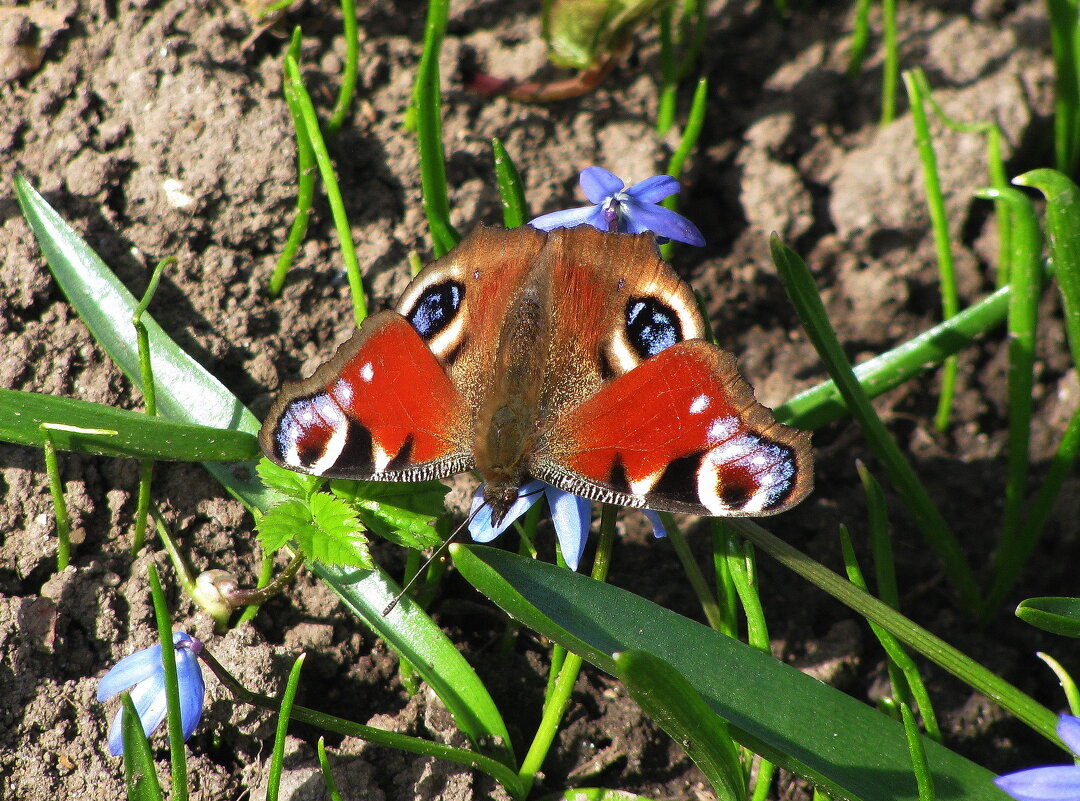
column 137, row 434
column 1056, row 615
column 399, row 526
column 679, row 710
column 425, row 497
column 407, row 629
column 804, row 726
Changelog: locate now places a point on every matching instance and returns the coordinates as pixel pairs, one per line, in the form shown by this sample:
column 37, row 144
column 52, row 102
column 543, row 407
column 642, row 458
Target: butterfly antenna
column 435, row 555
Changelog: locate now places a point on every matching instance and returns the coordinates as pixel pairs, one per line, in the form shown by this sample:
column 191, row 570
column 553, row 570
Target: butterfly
column 575, row 356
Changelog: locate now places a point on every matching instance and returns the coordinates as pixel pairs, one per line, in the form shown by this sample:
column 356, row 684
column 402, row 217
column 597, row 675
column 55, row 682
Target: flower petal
column 572, row 516
column 1068, row 730
column 1059, row 783
column 599, row 184
column 640, row 217
column 569, row 218
column 658, row 529
column 192, row 689
column 655, row 189
column 129, row 671
column 143, row 696
column 480, row 527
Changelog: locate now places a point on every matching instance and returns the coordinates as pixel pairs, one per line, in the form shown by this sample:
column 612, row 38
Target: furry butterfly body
column 575, row 356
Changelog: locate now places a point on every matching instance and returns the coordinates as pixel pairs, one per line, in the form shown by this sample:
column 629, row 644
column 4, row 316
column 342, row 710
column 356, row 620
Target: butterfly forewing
column 680, row 432
column 383, row 408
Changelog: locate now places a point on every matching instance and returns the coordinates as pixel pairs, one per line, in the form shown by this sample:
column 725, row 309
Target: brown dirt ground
column 102, row 103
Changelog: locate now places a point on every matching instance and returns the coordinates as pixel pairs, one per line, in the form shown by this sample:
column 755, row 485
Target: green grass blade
column 918, row 756
column 891, row 67
column 349, row 73
column 679, row 710
column 327, row 773
column 277, row 758
column 800, row 287
column 140, row 776
column 807, row 727
column 1017, row 542
column 824, row 403
column 687, row 142
column 136, row 435
column 56, row 489
column 665, row 113
column 306, row 172
column 427, row 104
column 177, row 755
column 1056, row 615
column 860, row 36
column 935, row 202
column 1063, row 37
column 333, row 192
column 511, row 190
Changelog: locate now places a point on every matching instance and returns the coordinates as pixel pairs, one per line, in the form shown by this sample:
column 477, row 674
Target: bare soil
column 160, row 129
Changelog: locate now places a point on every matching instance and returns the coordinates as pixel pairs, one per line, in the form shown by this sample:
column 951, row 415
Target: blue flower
column 143, row 671
column 1055, row 783
column 571, row 515
column 632, row 210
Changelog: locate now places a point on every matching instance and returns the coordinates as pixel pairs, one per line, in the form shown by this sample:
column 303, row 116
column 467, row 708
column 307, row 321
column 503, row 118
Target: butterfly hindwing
column 680, row 432
column 383, row 408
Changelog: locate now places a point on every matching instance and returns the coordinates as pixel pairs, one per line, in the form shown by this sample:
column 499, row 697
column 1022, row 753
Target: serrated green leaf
column 137, row 435
column 424, row 497
column 399, row 526
column 283, row 523
column 340, row 539
column 1056, row 615
column 287, row 483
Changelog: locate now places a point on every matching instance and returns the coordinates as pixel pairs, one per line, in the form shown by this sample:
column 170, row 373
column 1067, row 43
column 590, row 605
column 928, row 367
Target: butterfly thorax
column 508, row 422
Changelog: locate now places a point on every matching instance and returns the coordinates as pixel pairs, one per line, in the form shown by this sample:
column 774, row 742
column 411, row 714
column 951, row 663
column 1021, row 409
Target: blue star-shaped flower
column 1054, row 783
column 632, row 210
column 143, row 671
column 571, row 515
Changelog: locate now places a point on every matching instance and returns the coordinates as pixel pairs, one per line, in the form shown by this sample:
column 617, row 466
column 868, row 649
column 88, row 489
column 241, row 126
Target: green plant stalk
column 306, row 171
column 687, row 142
column 413, row 745
column 327, row 774
column 800, row 287
column 1001, row 692
column 880, row 538
column 742, row 567
column 860, row 36
column 1072, row 694
column 556, row 701
column 146, row 371
column 56, row 488
column 1023, row 317
column 333, row 193
column 950, row 296
column 910, row 685
column 511, row 189
column 349, row 75
column 277, row 758
column 266, row 573
column 691, row 10
column 177, row 755
column 1063, row 35
column 822, row 404
column 891, row 67
column 427, row 105
column 693, row 573
column 665, row 112
column 726, row 592
column 923, row 776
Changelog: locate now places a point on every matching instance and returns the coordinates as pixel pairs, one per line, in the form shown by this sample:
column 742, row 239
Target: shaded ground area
column 160, row 130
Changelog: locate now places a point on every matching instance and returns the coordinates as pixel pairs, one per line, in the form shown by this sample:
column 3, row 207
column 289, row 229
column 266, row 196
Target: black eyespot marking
column 607, row 372
column 359, row 450
column 739, row 486
column 679, row 480
column 403, row 458
column 651, row 326
column 436, row 307
column 617, row 478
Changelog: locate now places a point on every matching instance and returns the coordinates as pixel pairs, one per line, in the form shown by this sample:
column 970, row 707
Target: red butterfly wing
column 383, row 408
column 680, row 432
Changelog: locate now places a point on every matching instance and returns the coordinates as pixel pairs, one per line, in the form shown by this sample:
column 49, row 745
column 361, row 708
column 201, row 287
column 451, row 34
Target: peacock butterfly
column 574, row 356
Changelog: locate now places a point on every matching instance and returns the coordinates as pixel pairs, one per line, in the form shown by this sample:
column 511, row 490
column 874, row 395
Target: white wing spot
column 367, row 372
column 722, row 428
column 343, row 392
column 700, row 404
